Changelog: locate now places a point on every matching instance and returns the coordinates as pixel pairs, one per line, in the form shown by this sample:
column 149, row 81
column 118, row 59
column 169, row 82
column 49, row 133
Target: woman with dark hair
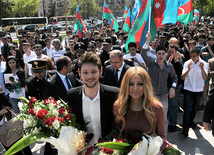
column 14, row 78
column 136, row 109
column 76, row 38
column 18, row 55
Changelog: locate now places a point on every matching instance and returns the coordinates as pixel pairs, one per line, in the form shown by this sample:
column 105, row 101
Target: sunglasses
column 90, row 46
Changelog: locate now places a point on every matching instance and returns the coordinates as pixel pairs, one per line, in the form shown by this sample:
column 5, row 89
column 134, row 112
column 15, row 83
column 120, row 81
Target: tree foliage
column 26, row 8
column 204, row 6
column 6, row 9
column 87, row 8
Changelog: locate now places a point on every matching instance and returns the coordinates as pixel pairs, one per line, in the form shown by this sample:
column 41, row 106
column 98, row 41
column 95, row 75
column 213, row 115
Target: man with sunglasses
column 113, row 74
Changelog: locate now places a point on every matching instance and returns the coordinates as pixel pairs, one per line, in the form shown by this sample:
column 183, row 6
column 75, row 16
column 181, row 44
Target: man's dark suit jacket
column 5, row 51
column 209, row 109
column 56, row 88
column 109, row 78
column 108, row 96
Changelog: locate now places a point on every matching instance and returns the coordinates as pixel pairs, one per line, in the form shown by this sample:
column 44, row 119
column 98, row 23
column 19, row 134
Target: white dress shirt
column 63, row 78
column 91, row 115
column 119, row 72
column 194, row 81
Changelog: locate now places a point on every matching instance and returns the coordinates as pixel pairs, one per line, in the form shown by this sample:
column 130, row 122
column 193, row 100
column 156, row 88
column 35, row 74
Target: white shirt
column 43, row 56
column 63, row 78
column 194, row 81
column 120, row 71
column 138, row 56
column 57, row 54
column 49, row 51
column 27, row 58
column 91, row 115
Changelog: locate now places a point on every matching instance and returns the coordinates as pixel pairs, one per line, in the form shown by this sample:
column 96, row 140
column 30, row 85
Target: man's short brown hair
column 90, row 57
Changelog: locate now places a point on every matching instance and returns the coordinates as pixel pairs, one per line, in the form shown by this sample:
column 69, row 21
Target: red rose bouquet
column 42, row 119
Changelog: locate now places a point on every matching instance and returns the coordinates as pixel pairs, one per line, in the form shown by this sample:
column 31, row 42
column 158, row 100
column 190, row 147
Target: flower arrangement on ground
column 43, row 119
column 131, row 144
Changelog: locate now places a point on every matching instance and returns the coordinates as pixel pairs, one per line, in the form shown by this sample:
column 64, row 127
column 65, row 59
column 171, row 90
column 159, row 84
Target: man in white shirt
column 28, row 56
column 58, row 51
column 194, row 73
column 38, row 51
column 48, row 50
column 136, row 57
column 93, row 102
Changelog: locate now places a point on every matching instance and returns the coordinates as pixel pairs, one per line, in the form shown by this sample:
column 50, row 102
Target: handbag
column 11, row 131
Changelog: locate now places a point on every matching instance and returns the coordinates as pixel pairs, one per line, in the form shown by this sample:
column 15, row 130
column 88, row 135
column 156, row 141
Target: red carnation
column 100, row 140
column 33, row 99
column 49, row 121
column 61, row 110
column 107, row 151
column 70, row 110
column 89, row 150
column 32, row 112
column 61, row 119
column 53, row 100
column 30, row 105
column 67, row 117
column 123, row 140
column 41, row 114
column 46, row 101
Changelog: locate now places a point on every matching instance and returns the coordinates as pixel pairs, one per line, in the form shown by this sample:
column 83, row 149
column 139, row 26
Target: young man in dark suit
column 58, row 85
column 114, row 73
column 93, row 102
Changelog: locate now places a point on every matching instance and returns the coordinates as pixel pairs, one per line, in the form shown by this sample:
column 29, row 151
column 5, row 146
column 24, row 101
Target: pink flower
column 32, row 112
column 61, row 110
column 33, row 99
column 41, row 114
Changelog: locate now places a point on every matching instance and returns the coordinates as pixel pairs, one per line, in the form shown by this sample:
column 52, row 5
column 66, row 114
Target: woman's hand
column 3, row 111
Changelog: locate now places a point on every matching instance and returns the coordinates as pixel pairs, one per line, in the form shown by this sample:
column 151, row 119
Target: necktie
column 68, row 84
column 116, row 76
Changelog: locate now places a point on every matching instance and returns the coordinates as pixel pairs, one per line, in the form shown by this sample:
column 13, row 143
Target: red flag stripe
column 186, row 8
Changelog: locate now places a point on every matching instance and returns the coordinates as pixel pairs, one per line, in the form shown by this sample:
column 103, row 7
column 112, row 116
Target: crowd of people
column 111, row 87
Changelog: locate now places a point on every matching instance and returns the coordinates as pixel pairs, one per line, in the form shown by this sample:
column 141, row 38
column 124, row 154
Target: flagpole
column 150, row 8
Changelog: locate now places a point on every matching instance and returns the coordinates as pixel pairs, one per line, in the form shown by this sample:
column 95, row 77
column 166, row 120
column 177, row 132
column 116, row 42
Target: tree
column 201, row 5
column 87, row 8
column 6, row 9
column 27, row 8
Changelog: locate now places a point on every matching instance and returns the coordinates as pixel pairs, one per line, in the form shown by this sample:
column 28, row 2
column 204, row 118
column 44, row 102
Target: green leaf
column 23, row 98
column 114, row 145
column 24, row 142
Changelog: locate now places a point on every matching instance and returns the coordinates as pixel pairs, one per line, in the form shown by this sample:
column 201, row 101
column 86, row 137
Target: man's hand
column 207, row 126
column 148, row 37
column 171, row 92
column 201, row 64
column 190, row 65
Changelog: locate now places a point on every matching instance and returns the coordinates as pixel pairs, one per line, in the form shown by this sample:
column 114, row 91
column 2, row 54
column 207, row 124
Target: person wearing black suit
column 93, row 102
column 58, row 85
column 208, row 117
column 113, row 74
column 5, row 49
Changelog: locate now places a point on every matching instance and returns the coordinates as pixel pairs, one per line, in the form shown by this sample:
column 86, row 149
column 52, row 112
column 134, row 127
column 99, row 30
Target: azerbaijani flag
column 185, row 11
column 196, row 16
column 107, row 14
column 79, row 25
column 126, row 12
column 135, row 10
column 140, row 26
column 165, row 11
column 127, row 24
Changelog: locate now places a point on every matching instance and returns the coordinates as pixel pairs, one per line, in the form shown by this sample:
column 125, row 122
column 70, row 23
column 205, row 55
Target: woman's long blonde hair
column 147, row 101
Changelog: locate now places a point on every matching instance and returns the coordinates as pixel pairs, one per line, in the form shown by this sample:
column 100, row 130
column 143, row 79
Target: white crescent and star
column 182, row 11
